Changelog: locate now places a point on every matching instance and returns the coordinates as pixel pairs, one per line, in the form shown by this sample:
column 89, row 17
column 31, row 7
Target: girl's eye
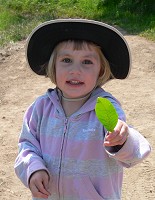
column 87, row 62
column 67, row 60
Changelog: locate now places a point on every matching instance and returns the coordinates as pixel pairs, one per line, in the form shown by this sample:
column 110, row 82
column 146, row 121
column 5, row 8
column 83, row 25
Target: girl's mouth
column 75, row 82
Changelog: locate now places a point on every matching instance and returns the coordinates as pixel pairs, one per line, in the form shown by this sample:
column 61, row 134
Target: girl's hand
column 118, row 136
column 39, row 183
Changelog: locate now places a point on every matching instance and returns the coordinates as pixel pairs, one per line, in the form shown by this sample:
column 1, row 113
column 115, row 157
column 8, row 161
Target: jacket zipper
column 61, row 157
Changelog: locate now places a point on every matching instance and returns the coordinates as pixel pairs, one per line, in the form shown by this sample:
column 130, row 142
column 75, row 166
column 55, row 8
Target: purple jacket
column 71, row 150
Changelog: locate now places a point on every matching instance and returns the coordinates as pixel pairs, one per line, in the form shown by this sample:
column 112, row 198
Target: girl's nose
column 75, row 68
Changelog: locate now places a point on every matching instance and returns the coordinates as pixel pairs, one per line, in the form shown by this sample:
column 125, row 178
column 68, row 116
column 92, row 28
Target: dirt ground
column 19, row 87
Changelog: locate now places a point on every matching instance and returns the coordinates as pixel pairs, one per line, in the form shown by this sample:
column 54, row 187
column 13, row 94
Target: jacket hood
column 89, row 104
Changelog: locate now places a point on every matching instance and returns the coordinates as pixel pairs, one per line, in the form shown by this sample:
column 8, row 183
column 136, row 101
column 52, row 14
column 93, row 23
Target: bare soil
column 19, row 87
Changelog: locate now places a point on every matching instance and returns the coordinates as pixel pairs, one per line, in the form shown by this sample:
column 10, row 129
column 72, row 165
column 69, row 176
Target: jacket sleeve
column 135, row 149
column 29, row 158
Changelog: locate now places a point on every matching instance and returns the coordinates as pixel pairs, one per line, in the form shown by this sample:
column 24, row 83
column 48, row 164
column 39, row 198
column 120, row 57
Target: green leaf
column 106, row 113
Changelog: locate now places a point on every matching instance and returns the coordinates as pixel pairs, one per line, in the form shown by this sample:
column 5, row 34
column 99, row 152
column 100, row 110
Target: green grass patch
column 18, row 18
column 134, row 16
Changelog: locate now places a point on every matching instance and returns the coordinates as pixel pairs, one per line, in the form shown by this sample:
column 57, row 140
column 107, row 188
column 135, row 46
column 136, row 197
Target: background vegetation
column 19, row 17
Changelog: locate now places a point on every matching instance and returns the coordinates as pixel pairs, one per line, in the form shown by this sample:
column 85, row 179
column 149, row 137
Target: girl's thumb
column 46, row 182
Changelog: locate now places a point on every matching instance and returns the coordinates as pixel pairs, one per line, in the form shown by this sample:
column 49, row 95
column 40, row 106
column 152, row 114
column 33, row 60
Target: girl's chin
column 76, row 96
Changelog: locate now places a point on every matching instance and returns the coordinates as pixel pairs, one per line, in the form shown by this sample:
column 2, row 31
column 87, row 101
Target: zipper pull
column 65, row 128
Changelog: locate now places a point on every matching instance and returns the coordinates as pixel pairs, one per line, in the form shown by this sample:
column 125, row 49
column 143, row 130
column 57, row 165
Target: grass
column 18, row 18
column 134, row 18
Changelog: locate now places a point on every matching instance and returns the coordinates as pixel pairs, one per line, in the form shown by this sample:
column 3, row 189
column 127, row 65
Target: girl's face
column 77, row 71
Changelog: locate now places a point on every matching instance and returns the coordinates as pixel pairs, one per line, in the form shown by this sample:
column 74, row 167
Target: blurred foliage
column 19, row 17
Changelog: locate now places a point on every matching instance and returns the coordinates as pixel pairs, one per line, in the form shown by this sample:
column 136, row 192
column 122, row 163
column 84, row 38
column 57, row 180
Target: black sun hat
column 43, row 39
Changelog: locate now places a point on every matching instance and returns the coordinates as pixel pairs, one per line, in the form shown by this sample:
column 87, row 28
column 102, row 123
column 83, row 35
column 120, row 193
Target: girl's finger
column 42, row 189
column 46, row 184
column 36, row 193
column 117, row 129
column 119, row 140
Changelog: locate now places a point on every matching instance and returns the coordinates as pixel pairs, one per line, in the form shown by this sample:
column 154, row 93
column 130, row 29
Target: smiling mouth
column 75, row 82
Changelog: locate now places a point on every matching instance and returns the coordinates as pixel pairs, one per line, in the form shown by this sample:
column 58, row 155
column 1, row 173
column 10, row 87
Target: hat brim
column 43, row 39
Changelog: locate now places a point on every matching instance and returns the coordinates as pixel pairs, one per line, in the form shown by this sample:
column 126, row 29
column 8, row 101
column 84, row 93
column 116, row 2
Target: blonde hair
column 105, row 72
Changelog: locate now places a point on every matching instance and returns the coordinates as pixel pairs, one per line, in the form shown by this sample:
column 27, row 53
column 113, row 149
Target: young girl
column 65, row 153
